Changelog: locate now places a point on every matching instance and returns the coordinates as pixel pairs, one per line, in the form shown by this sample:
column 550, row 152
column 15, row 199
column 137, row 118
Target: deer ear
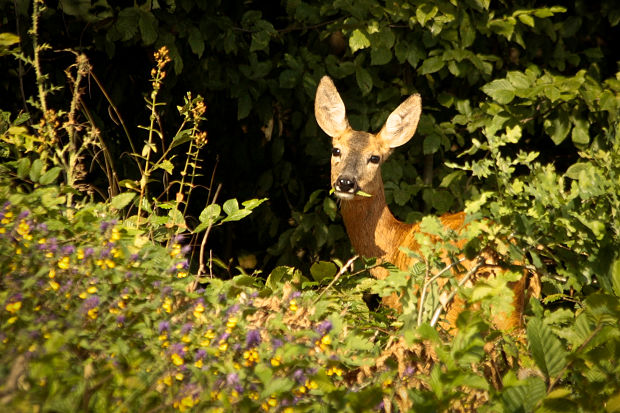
column 402, row 123
column 329, row 109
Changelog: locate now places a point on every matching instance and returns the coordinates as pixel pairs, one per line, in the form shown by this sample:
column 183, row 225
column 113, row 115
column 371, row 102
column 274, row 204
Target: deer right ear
column 402, row 123
column 329, row 109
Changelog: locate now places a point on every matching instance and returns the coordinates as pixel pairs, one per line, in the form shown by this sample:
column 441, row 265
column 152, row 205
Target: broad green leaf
column 500, row 90
column 210, row 214
column 547, row 350
column 35, row 170
column 323, row 269
column 244, row 106
column 196, row 42
column 23, row 167
column 615, row 276
column 432, row 65
column 120, row 201
column 558, row 127
column 231, row 206
column 358, row 40
column 148, row 27
column 364, row 80
column 380, row 55
column 253, row 203
column 167, row 166
column 580, row 134
column 50, row 176
column 518, row 79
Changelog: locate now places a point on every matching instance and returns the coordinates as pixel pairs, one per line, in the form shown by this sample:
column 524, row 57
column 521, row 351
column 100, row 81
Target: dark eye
column 335, row 152
column 374, row 159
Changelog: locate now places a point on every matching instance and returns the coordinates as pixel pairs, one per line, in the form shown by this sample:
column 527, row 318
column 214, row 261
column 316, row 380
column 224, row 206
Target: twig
column 453, row 294
column 429, row 282
column 201, row 267
column 342, row 271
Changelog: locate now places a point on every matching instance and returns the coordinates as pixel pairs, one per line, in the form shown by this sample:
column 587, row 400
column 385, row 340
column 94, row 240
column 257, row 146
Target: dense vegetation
column 128, row 284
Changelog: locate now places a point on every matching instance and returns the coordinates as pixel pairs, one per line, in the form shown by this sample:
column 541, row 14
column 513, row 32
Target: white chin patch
column 344, row 195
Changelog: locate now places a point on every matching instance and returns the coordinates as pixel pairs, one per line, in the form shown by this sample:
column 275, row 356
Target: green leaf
column 358, row 40
column 50, row 176
column 35, row 170
column 244, row 105
column 120, row 201
column 500, row 90
column 210, row 213
column 615, row 276
column 196, row 42
column 364, row 80
column 558, row 127
column 323, row 269
column 431, row 144
column 432, row 65
column 547, row 350
column 580, row 134
column 148, row 27
column 380, row 56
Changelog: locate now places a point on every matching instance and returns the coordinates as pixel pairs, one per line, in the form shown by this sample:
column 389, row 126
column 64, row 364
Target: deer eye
column 335, row 152
column 374, row 159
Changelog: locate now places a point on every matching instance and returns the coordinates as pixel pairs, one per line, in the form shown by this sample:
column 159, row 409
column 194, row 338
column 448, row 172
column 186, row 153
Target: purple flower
column 68, row 250
column 252, row 339
column 41, row 227
column 120, row 319
column 91, row 302
column 200, row 354
column 166, row 290
column 105, row 253
column 276, row 343
column 299, row 376
column 224, row 337
column 134, row 257
column 187, row 327
column 232, row 310
column 163, row 326
column 88, row 252
column 23, row 214
column 178, row 348
column 186, row 249
column 232, row 380
column 294, row 295
column 105, row 225
column 324, row 327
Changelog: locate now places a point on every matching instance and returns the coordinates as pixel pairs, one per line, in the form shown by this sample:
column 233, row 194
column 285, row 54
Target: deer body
column 356, row 180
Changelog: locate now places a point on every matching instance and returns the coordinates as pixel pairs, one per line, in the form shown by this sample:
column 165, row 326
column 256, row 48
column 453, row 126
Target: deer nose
column 345, row 184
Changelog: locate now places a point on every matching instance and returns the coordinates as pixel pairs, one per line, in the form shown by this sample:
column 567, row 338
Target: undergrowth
column 113, row 305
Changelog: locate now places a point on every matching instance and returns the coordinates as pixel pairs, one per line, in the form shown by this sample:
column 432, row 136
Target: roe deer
column 373, row 230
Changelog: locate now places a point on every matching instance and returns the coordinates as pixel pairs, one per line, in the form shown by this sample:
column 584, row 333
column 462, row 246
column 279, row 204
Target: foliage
column 106, row 276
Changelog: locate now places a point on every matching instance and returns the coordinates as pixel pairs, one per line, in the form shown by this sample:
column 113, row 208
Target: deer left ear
column 402, row 123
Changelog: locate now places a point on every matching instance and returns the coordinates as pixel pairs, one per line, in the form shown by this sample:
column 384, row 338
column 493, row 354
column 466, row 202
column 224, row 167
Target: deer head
column 357, row 156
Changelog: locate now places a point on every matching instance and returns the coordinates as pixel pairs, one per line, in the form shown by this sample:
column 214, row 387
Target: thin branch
column 462, row 281
column 429, row 282
column 201, row 266
column 342, row 271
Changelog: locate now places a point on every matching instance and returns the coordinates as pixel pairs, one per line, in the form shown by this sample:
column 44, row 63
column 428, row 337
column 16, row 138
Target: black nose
column 344, row 184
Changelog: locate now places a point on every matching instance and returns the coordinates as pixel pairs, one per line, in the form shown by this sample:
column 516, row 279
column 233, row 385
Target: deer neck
column 372, row 229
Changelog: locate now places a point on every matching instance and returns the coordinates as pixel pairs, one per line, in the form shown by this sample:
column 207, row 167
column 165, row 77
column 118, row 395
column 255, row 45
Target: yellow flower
column 55, row 286
column 181, row 274
column 92, row 289
column 179, row 376
column 176, row 250
column 176, row 359
column 167, row 380
column 292, row 306
column 93, row 312
column 63, row 264
column 326, row 340
column 232, row 322
column 334, row 370
column 198, row 364
column 223, row 346
column 311, row 384
column 13, row 307
column 167, row 305
column 52, row 273
column 116, row 235
column 80, row 254
column 276, row 361
column 83, row 295
column 198, row 310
